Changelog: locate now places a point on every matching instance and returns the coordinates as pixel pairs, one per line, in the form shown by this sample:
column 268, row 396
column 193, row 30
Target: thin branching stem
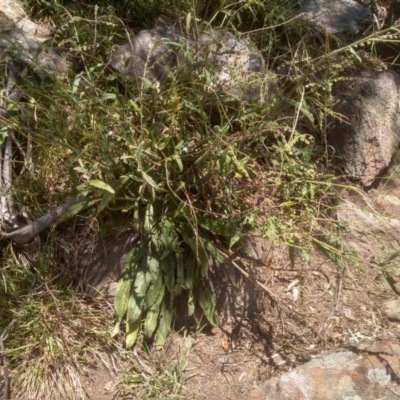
column 7, row 178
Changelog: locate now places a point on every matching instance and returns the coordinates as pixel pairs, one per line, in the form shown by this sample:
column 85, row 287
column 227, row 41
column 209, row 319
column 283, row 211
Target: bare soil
column 313, row 308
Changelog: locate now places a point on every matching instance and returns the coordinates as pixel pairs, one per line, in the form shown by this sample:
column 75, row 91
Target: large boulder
column 24, row 41
column 234, row 64
column 333, row 16
column 368, row 134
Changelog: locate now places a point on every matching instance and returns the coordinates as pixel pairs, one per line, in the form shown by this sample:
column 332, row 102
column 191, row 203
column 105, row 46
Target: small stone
column 392, row 309
column 109, row 386
column 256, row 394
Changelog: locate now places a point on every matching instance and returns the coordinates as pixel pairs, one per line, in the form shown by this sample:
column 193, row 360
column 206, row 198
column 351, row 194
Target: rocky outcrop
column 368, row 371
column 368, row 133
column 333, row 16
column 235, row 66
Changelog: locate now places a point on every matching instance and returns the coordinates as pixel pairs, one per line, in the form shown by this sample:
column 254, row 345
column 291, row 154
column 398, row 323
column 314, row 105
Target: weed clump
column 191, row 185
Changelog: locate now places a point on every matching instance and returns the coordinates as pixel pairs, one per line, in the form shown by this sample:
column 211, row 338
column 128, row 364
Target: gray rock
column 23, row 40
column 150, row 54
column 15, row 22
column 369, row 133
column 365, row 372
column 372, row 236
column 235, row 66
column 334, row 16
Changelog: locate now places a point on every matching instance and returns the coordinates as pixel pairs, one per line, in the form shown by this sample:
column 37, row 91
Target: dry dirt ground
column 271, row 328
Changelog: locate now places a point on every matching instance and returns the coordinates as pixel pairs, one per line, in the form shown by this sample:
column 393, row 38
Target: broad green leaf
column 203, row 258
column 135, row 178
column 132, row 330
column 80, row 169
column 120, row 183
column 191, row 264
column 199, row 250
column 108, row 96
column 155, row 290
column 121, row 299
column 207, row 303
column 170, row 239
column 139, row 151
column 212, row 250
column 134, row 105
column 165, row 236
column 169, row 273
column 234, row 240
column 166, row 315
column 134, row 260
column 135, row 309
column 149, row 180
column 152, row 315
column 151, row 320
column 97, row 183
column 142, row 281
column 154, row 268
column 190, row 304
column 179, row 162
column 136, row 300
column 107, row 197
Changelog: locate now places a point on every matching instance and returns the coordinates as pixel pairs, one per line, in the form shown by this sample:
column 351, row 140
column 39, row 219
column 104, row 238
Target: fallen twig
column 24, row 235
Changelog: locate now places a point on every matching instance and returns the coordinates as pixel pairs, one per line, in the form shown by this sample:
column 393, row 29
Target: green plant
column 190, row 169
column 48, row 334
